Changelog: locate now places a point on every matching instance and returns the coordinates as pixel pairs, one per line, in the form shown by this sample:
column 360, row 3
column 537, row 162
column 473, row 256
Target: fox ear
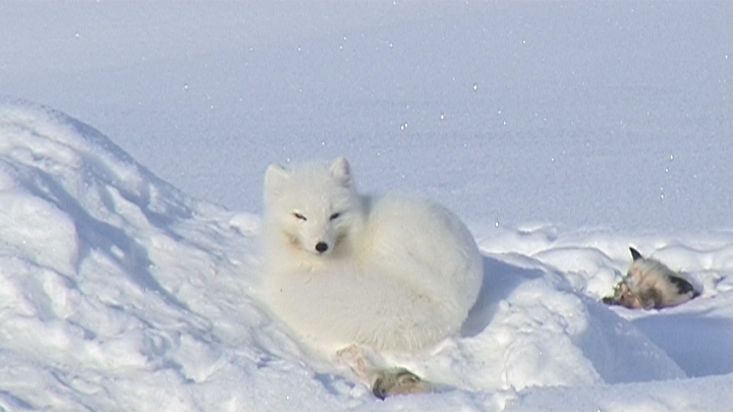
column 275, row 177
column 341, row 171
column 635, row 254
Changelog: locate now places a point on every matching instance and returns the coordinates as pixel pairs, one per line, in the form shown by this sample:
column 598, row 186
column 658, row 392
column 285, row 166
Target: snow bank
column 118, row 292
column 111, row 297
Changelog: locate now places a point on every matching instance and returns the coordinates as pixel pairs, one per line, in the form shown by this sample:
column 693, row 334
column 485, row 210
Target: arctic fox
column 346, row 271
column 649, row 284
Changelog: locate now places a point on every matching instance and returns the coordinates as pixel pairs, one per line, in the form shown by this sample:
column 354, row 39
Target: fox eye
column 299, row 216
column 335, row 216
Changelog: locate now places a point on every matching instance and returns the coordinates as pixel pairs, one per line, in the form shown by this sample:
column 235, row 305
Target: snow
column 115, row 284
column 561, row 132
column 608, row 105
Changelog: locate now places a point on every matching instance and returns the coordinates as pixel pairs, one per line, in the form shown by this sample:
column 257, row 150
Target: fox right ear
column 635, row 255
column 341, row 171
column 275, row 176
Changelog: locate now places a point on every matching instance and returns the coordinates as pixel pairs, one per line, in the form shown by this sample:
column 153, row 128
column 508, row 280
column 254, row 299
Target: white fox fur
column 650, row 284
column 393, row 273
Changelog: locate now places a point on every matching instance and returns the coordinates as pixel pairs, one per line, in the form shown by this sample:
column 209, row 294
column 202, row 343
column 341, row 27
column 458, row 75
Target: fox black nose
column 321, row 247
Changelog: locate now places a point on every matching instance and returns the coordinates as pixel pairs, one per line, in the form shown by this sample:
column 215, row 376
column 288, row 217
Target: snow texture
column 561, row 132
column 120, row 292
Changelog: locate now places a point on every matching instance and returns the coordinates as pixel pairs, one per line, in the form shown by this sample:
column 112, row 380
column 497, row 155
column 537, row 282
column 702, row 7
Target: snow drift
column 119, row 292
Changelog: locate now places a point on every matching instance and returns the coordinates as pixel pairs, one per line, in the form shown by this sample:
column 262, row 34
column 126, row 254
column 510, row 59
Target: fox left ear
column 635, row 255
column 341, row 171
column 275, row 176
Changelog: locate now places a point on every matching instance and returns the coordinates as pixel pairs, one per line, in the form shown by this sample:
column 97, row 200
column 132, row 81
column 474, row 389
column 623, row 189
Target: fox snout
column 317, row 247
column 321, row 247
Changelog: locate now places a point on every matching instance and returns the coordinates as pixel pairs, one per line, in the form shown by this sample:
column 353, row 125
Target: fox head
column 314, row 207
column 625, row 293
column 650, row 284
column 642, row 269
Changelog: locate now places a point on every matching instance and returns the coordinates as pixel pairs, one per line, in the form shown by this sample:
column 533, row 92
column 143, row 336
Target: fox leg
column 395, row 381
column 383, row 381
column 354, row 357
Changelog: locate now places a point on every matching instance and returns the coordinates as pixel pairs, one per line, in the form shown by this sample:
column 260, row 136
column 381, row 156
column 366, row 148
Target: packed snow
column 561, row 133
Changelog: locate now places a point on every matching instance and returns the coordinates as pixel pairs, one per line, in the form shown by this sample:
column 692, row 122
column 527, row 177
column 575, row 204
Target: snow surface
column 121, row 293
column 580, row 114
column 561, row 132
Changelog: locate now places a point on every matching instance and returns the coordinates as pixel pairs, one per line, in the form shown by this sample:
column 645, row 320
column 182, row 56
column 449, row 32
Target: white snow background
column 560, row 132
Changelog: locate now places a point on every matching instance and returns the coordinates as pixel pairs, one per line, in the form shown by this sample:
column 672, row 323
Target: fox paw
column 396, row 381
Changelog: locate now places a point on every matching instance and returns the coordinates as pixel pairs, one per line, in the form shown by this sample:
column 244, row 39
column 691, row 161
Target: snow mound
column 531, row 329
column 115, row 292
column 118, row 292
